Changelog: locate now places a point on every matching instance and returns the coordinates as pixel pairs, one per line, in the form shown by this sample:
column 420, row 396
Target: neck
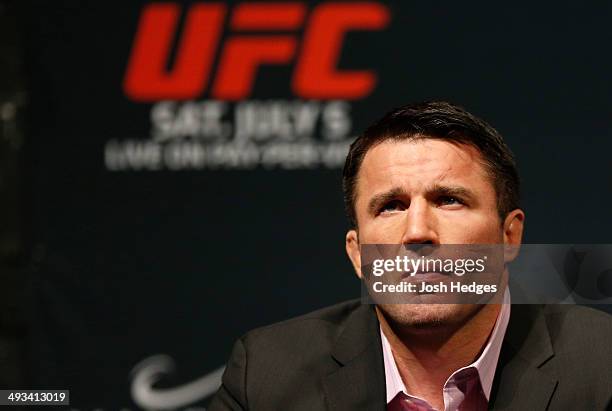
column 426, row 358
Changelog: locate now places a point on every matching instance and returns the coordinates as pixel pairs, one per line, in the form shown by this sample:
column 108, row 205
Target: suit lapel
column 519, row 383
column 359, row 383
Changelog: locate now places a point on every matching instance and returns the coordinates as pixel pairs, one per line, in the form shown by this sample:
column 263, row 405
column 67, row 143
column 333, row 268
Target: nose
column 419, row 224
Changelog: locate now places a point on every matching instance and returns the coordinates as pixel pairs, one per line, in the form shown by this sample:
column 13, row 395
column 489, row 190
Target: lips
column 425, row 276
column 425, row 272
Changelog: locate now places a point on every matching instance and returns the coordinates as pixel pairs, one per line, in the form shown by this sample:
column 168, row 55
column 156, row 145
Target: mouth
column 425, row 276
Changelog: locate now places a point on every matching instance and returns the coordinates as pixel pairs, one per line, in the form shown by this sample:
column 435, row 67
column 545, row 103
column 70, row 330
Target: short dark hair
column 443, row 121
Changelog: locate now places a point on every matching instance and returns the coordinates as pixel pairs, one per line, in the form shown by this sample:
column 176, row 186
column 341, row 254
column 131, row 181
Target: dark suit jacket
column 556, row 357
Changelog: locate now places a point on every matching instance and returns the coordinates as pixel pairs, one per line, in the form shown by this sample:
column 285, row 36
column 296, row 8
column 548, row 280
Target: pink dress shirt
column 468, row 388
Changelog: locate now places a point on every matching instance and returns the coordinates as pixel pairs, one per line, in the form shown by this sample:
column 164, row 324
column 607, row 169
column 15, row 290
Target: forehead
column 415, row 163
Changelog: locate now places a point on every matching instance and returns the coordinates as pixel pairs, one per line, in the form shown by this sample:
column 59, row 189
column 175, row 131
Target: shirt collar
column 485, row 364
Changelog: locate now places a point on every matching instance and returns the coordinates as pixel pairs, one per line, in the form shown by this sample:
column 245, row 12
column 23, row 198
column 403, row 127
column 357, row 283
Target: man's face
column 426, row 191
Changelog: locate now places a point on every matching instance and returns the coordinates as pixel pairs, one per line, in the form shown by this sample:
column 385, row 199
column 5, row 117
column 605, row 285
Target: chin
column 428, row 316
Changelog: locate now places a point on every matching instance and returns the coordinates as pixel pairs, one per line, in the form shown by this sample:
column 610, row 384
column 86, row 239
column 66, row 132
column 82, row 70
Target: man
column 427, row 173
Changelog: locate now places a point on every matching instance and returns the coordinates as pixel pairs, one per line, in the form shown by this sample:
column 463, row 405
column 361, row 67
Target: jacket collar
column 359, row 383
column 519, row 381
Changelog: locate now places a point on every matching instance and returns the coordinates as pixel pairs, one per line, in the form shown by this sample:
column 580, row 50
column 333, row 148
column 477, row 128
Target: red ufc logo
column 315, row 75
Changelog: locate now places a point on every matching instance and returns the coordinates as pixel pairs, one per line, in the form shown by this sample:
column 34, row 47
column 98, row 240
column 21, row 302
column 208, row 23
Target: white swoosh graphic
column 153, row 369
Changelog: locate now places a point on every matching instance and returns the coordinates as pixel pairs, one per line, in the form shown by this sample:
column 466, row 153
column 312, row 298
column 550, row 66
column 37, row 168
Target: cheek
column 470, row 228
column 386, row 230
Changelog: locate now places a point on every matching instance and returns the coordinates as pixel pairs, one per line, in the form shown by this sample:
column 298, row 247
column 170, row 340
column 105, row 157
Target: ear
column 353, row 251
column 513, row 233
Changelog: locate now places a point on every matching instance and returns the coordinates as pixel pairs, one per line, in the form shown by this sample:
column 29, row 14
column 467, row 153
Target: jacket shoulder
column 581, row 324
column 581, row 342
column 581, row 337
column 292, row 357
column 324, row 322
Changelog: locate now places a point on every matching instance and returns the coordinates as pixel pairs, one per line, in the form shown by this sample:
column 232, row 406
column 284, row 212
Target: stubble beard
column 428, row 317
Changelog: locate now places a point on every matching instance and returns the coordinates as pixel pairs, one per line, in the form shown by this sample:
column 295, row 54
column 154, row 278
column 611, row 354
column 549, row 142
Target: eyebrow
column 435, row 190
column 451, row 191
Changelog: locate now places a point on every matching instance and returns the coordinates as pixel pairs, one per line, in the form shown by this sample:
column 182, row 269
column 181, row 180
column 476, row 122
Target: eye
column 449, row 201
column 392, row 206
